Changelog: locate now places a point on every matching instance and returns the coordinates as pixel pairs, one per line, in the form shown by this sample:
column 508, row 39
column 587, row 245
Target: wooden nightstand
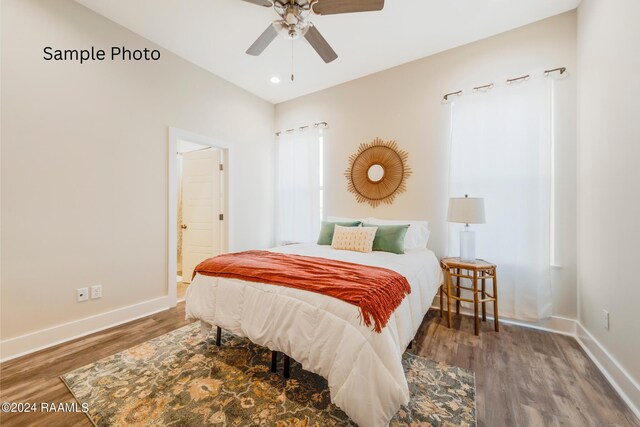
column 474, row 271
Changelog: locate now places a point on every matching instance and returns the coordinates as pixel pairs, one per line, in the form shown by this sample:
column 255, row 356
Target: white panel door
column 200, row 208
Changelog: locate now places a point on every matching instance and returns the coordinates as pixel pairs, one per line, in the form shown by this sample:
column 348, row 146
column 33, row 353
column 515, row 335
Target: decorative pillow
column 326, row 230
column 389, row 238
column 417, row 234
column 359, row 239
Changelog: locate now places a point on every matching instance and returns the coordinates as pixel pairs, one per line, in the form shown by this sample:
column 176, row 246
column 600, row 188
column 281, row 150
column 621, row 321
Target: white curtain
column 299, row 185
column 501, row 148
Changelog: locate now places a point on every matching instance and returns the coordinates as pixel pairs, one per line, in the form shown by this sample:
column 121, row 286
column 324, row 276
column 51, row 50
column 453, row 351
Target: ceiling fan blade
column 321, row 46
column 263, row 41
column 331, row 7
column 265, row 3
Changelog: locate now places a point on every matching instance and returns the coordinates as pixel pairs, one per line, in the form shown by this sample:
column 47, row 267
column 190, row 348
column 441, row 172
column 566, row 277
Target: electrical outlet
column 82, row 294
column 605, row 319
column 96, row 291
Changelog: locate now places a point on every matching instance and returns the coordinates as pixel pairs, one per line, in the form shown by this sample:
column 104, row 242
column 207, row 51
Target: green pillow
column 327, row 229
column 389, row 238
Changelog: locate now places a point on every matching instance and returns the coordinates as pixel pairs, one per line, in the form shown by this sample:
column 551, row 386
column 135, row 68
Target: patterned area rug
column 180, row 379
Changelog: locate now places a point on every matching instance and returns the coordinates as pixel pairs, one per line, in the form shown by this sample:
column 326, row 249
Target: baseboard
column 618, row 377
column 29, row 343
column 555, row 324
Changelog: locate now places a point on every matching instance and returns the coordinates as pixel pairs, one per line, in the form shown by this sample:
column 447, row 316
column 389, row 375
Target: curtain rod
column 315, row 125
column 561, row 70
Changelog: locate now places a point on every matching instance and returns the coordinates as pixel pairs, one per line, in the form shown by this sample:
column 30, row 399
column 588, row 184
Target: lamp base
column 467, row 246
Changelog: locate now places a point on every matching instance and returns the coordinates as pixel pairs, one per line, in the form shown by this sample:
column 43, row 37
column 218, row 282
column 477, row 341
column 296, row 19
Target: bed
column 324, row 334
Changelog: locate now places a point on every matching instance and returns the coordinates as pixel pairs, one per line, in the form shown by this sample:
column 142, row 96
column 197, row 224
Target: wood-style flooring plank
column 524, row 377
column 35, row 378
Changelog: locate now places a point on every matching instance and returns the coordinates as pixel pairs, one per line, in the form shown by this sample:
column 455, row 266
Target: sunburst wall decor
column 377, row 172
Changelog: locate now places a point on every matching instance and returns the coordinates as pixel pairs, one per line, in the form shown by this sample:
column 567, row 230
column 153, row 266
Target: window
column 501, row 150
column 299, row 185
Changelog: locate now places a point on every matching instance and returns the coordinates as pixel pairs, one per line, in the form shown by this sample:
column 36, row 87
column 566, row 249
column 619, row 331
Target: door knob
column 183, row 226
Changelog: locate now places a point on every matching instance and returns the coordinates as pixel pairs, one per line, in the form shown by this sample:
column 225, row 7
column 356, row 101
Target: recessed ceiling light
column 275, row 80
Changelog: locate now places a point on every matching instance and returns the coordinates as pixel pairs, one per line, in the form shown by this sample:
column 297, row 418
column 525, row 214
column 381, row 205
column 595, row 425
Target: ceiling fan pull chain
column 292, row 77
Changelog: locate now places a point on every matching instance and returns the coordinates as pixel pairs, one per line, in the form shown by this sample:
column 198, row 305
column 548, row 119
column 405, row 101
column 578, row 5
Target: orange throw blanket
column 376, row 291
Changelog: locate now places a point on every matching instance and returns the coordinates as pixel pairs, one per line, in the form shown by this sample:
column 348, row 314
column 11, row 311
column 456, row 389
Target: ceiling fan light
column 291, row 33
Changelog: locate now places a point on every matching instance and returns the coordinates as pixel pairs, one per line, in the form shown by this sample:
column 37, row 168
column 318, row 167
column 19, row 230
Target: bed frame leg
column 287, row 365
column 274, row 361
column 218, row 336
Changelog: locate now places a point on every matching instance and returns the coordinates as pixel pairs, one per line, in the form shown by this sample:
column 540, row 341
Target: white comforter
column 325, row 334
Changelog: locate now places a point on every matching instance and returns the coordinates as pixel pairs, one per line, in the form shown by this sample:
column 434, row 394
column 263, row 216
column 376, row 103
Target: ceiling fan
column 294, row 21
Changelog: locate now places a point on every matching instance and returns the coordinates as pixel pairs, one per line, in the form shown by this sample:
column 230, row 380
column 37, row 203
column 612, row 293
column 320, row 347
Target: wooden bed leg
column 274, row 361
column 287, row 365
column 218, row 336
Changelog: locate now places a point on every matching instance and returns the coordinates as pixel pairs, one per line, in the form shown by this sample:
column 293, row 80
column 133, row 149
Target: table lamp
column 466, row 210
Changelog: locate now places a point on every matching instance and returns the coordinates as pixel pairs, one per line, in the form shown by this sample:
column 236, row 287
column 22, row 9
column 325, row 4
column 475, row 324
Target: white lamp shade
column 466, row 210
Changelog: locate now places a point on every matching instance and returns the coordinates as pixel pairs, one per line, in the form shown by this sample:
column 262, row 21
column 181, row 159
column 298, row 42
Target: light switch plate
column 96, row 291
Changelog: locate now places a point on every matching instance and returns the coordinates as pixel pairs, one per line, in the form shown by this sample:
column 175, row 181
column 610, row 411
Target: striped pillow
column 359, row 239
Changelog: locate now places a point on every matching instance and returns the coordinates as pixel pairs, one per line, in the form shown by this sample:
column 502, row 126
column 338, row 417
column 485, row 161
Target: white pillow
column 417, row 235
column 359, row 239
column 344, row 219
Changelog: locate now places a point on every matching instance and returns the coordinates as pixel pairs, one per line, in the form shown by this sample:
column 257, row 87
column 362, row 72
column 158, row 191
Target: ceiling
column 214, row 34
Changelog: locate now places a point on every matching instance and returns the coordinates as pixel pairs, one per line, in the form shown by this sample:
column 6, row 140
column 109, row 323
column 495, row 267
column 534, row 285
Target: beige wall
column 609, row 178
column 84, row 164
column 404, row 103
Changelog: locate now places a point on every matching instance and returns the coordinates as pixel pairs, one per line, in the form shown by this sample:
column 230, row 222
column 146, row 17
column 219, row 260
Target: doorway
column 199, row 178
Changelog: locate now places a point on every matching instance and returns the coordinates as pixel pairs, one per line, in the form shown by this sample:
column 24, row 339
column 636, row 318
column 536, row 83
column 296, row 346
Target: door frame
column 176, row 135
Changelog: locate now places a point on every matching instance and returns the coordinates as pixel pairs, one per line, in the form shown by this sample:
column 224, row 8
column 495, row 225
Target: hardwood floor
column 34, row 378
column 524, row 377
